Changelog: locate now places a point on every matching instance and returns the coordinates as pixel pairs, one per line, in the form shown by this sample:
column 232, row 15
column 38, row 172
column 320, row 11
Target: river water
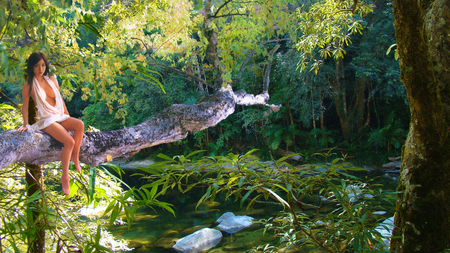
column 155, row 231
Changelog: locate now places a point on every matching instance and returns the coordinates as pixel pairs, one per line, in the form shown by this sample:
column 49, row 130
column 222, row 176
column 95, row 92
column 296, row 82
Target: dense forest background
column 355, row 104
column 332, row 66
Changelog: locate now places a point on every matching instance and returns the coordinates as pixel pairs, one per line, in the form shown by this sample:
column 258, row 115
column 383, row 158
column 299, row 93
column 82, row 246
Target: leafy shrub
column 324, row 206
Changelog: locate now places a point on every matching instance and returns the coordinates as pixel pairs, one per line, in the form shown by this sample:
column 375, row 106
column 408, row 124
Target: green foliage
column 10, row 117
column 391, row 136
column 324, row 205
column 60, row 216
column 326, row 28
column 104, row 36
column 98, row 116
column 245, row 27
column 371, row 59
column 226, row 131
column 395, row 51
column 276, row 134
column 111, row 54
column 320, row 138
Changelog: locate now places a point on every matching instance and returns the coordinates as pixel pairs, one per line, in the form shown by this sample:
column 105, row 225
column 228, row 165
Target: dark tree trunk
column 33, row 177
column 36, row 242
column 422, row 221
column 360, row 103
column 340, row 100
column 211, row 52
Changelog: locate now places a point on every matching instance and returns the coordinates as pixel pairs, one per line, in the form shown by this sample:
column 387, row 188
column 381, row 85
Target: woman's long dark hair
column 31, row 61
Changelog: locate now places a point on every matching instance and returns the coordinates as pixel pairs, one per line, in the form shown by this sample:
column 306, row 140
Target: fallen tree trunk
column 172, row 124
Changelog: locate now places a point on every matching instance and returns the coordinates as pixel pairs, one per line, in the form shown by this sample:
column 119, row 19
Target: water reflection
column 156, row 231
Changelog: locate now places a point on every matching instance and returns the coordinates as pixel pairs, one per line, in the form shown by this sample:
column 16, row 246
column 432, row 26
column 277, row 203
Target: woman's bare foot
column 65, row 184
column 76, row 161
column 77, row 165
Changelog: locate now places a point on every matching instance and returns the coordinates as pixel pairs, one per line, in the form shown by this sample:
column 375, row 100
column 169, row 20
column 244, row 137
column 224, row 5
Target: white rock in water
column 385, row 229
column 225, row 216
column 368, row 196
column 91, row 211
column 231, row 223
column 198, row 241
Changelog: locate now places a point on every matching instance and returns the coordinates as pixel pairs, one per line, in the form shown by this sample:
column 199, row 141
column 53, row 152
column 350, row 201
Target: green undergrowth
column 325, row 206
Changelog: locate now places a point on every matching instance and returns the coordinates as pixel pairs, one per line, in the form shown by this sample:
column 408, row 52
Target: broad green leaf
column 245, row 197
column 194, row 153
column 92, row 175
column 6, row 107
column 163, row 156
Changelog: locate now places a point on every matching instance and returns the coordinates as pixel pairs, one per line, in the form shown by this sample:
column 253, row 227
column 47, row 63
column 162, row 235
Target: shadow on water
column 156, row 230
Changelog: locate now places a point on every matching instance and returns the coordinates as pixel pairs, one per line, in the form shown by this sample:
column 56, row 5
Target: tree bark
column 211, row 52
column 360, row 103
column 422, row 221
column 172, row 124
column 340, row 100
column 33, row 177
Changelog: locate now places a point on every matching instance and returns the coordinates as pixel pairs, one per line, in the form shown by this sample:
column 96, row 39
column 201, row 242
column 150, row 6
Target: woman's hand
column 23, row 128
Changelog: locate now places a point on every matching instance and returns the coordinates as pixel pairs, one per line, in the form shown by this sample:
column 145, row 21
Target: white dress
column 46, row 113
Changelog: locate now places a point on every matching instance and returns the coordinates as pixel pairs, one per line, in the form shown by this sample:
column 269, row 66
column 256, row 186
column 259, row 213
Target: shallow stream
column 156, row 231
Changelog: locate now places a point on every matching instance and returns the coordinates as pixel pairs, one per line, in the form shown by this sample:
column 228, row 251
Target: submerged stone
column 191, row 230
column 203, row 239
column 231, row 223
column 165, row 243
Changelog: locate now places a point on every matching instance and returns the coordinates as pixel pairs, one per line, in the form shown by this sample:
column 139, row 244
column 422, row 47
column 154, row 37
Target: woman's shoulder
column 26, row 88
column 26, row 85
column 53, row 79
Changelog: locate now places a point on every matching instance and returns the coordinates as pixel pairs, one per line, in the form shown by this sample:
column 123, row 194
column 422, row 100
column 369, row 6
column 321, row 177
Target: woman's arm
column 57, row 86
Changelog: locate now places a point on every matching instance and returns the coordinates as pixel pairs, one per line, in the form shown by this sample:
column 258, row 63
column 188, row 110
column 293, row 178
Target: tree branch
column 253, row 52
column 243, row 98
column 172, row 124
column 220, row 7
column 181, row 73
column 266, row 79
column 4, row 95
column 230, row 15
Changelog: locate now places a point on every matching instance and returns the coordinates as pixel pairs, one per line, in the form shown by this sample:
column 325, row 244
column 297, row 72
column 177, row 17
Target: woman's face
column 39, row 68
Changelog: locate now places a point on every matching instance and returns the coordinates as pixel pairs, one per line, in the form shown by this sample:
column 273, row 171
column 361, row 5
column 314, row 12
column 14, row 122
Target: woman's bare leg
column 77, row 126
column 60, row 134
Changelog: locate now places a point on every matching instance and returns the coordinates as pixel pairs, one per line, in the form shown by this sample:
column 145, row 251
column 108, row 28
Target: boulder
column 230, row 223
column 198, row 241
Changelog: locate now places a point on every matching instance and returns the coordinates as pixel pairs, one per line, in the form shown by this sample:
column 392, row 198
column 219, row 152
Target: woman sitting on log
column 52, row 115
